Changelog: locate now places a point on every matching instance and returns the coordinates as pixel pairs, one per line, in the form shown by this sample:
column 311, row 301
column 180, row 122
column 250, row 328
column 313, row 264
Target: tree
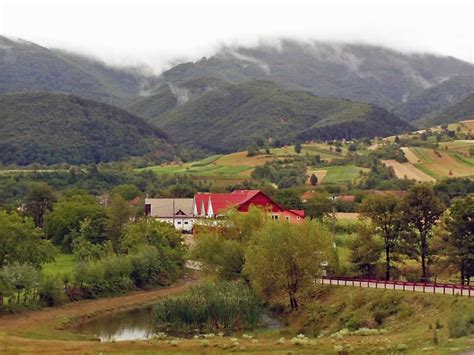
column 421, row 209
column 385, row 213
column 298, row 148
column 338, row 150
column 365, row 249
column 457, row 236
column 313, row 180
column 221, row 250
column 397, row 140
column 39, row 200
column 21, row 242
column 318, row 206
column 118, row 215
column 286, row 257
column 252, row 151
column 63, row 224
column 127, row 191
column 289, row 198
column 352, row 147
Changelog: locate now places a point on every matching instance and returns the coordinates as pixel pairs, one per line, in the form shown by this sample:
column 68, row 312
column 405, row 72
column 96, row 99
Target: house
column 177, row 211
column 210, row 205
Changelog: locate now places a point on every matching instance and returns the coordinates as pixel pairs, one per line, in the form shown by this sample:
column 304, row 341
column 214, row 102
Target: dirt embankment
column 43, row 331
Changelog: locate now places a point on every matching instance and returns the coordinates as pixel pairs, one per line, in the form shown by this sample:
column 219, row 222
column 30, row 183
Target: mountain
column 233, row 117
column 462, row 110
column 26, row 67
column 49, row 128
column 357, row 72
column 172, row 95
column 437, row 98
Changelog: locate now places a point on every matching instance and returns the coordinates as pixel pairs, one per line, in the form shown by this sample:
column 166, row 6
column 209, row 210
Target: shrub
column 51, row 292
column 213, row 306
column 461, row 321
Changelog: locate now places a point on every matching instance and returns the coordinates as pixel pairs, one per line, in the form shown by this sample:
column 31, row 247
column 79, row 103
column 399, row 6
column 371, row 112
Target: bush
column 51, row 292
column 461, row 321
column 213, row 306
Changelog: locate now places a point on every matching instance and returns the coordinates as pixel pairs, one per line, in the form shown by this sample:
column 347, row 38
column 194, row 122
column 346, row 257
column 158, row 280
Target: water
column 136, row 324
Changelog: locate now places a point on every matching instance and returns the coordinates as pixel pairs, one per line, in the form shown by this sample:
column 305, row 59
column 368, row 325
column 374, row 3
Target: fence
column 426, row 287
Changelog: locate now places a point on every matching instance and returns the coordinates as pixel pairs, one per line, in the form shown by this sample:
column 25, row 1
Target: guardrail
column 425, row 287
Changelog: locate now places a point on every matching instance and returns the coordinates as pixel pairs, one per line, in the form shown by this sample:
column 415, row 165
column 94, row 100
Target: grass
column 341, row 174
column 63, row 264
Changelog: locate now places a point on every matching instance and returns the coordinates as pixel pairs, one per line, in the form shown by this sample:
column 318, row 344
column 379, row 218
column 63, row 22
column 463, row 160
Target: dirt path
column 43, row 331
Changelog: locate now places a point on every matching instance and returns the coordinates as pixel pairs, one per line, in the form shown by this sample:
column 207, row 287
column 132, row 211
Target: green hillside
column 233, row 117
column 353, row 71
column 171, row 95
column 462, row 110
column 47, row 128
column 436, row 98
column 25, row 66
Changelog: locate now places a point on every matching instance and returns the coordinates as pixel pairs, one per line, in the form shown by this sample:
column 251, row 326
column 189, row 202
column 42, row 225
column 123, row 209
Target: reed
column 210, row 307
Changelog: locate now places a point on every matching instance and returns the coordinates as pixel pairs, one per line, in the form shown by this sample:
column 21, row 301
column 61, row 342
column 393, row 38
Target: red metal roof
column 221, row 202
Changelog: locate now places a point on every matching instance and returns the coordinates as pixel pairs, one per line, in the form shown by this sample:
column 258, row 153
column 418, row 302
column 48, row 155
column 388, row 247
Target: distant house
column 183, row 213
column 210, row 205
column 177, row 211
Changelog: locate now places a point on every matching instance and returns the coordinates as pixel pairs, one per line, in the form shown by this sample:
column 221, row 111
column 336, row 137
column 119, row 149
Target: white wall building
column 176, row 211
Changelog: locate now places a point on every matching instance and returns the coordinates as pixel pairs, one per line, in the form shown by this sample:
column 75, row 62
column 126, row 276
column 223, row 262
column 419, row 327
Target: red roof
column 222, row 201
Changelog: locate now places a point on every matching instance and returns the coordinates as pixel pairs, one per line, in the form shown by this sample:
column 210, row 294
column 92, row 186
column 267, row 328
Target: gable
column 262, row 201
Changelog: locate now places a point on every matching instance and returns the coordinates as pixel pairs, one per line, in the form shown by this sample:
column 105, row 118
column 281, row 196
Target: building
column 184, row 212
column 177, row 211
column 210, row 205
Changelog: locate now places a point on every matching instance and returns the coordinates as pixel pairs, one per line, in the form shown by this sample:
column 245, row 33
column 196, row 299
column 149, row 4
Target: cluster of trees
column 419, row 226
column 276, row 258
column 284, row 173
column 115, row 250
column 95, row 180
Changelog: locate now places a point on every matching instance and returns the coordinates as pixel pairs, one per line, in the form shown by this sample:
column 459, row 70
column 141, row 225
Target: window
column 298, row 218
column 287, row 218
column 274, row 217
column 179, row 222
column 186, row 222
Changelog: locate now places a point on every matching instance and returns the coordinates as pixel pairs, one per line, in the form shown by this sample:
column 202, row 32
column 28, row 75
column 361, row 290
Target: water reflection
column 135, row 324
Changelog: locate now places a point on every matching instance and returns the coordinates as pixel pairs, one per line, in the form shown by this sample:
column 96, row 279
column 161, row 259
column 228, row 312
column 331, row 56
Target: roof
column 221, row 202
column 163, row 207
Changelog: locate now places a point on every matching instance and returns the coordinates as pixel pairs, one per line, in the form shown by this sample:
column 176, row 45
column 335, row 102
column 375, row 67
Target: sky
column 160, row 33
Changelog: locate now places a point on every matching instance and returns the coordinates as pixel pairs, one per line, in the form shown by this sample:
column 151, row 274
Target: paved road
column 427, row 289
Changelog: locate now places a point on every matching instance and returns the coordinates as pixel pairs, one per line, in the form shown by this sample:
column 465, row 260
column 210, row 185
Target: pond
column 136, row 324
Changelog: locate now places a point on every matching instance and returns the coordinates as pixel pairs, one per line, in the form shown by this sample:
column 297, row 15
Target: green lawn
column 341, row 174
column 63, row 264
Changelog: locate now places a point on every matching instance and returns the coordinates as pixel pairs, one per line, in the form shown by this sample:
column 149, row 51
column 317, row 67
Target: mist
column 161, row 34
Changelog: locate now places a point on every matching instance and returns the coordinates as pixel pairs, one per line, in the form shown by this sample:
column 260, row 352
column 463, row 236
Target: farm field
column 320, row 149
column 338, row 174
column 450, row 162
column 407, row 170
column 232, row 165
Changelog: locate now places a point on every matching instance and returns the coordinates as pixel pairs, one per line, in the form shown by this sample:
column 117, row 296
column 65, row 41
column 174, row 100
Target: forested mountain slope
column 48, row 128
column 233, row 117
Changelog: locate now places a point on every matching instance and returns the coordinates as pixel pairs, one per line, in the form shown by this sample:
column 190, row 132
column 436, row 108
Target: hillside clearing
column 407, row 171
column 320, row 174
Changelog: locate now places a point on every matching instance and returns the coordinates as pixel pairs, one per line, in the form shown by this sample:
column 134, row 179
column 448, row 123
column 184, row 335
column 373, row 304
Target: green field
column 341, row 174
column 322, row 150
column 63, row 264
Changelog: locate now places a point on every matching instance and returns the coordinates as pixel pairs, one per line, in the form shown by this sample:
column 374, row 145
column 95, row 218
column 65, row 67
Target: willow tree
column 287, row 257
column 386, row 216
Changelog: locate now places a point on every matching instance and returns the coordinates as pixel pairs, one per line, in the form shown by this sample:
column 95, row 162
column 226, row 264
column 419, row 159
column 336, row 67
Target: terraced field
column 452, row 161
column 323, row 150
column 407, row 171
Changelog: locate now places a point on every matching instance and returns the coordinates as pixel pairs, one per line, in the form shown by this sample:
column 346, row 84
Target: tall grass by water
column 210, row 307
